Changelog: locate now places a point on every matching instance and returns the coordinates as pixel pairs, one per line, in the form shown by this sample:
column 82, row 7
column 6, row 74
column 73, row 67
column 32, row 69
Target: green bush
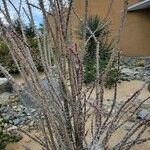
column 106, row 46
column 5, row 57
column 113, row 77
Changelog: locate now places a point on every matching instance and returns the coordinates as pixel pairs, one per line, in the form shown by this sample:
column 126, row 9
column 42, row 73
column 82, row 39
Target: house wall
column 136, row 37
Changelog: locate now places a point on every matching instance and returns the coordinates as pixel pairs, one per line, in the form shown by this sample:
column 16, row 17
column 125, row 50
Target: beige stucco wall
column 136, row 37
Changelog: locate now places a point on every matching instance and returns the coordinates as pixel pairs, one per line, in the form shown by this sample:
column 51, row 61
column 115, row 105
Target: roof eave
column 139, row 6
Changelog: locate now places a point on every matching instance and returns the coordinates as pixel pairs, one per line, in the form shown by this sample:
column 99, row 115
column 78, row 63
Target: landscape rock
column 33, row 110
column 18, row 116
column 13, row 96
column 135, row 68
column 12, row 128
column 7, row 108
column 127, row 71
column 2, row 109
column 14, row 100
column 16, row 121
column 4, row 98
column 5, row 86
column 7, row 117
column 142, row 114
column 18, row 137
column 31, row 123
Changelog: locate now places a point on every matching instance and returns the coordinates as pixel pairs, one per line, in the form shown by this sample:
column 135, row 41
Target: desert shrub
column 5, row 57
column 89, row 62
column 113, row 77
column 140, row 63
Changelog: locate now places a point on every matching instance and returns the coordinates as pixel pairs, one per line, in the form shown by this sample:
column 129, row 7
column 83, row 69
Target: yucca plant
column 100, row 28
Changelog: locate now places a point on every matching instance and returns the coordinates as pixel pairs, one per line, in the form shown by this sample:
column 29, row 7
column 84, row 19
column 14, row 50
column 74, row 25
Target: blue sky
column 36, row 13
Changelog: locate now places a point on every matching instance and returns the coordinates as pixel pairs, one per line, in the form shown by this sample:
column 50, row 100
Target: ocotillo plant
column 66, row 103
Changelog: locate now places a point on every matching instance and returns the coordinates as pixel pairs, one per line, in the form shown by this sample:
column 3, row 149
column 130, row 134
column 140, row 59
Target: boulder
column 5, row 86
column 127, row 71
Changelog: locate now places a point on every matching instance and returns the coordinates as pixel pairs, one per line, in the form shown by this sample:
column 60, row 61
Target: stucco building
column 136, row 37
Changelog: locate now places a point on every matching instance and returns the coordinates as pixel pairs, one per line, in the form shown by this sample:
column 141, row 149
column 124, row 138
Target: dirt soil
column 124, row 91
